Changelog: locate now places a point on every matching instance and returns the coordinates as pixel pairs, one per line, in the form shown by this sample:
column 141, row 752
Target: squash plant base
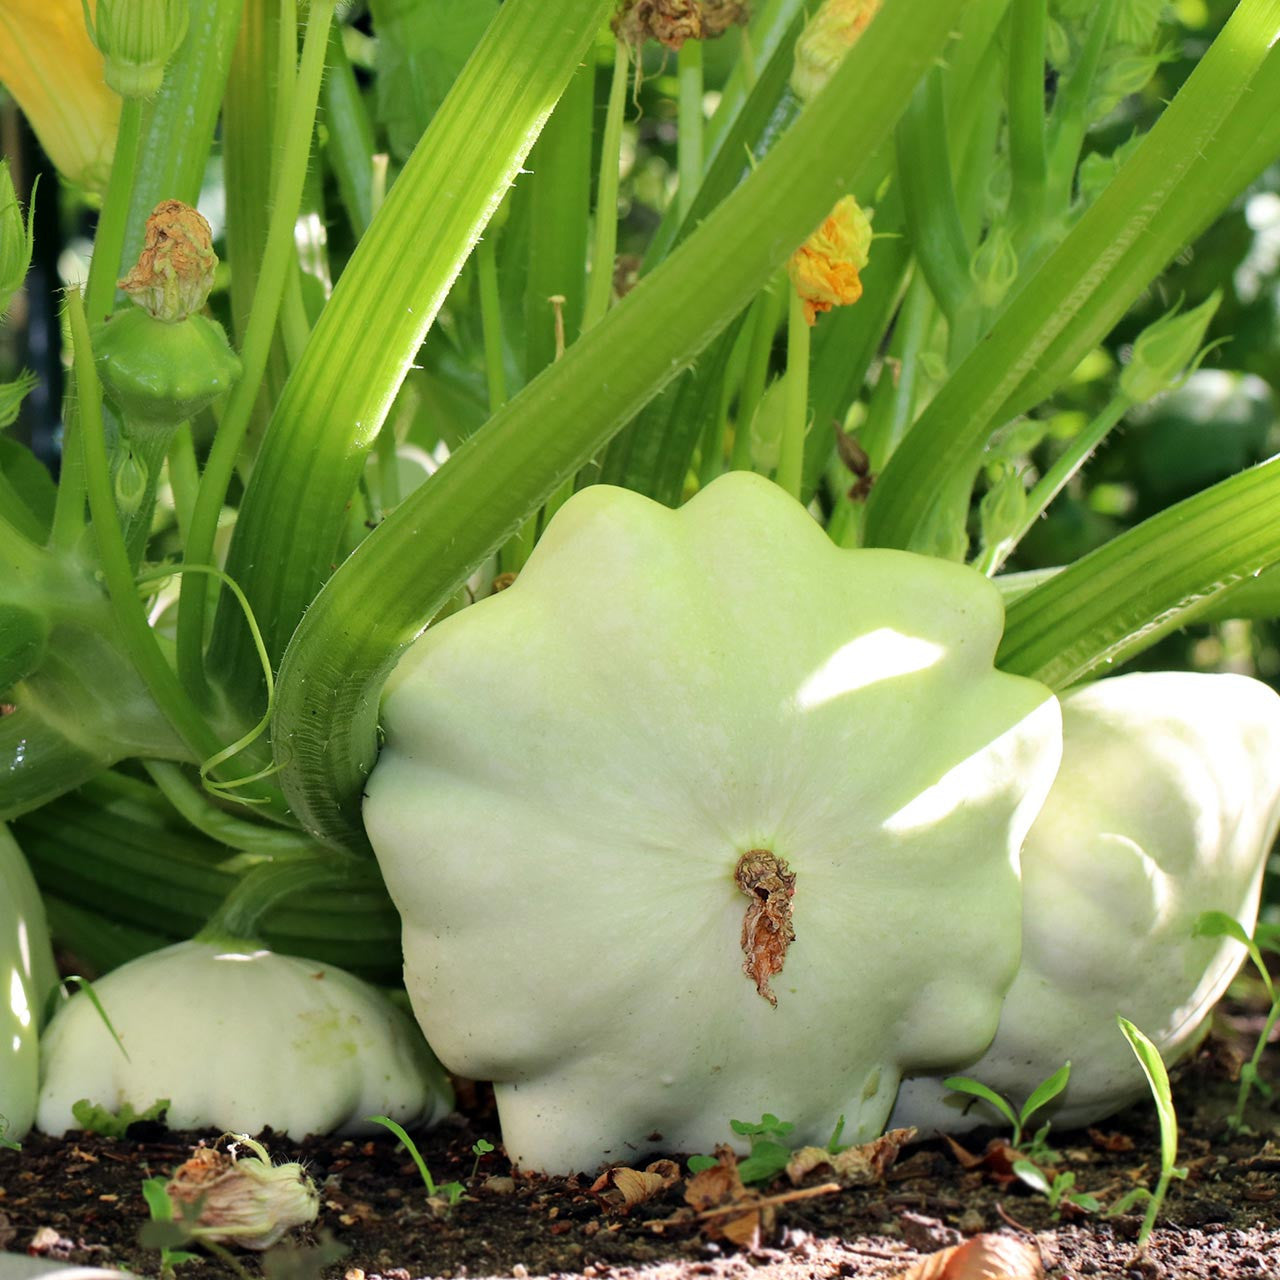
column 1223, row 1221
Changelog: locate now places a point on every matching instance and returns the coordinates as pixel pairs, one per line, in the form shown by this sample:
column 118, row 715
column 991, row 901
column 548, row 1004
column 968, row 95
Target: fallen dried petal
column 985, row 1257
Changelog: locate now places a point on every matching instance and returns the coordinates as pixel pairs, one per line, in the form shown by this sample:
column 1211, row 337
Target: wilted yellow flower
column 824, row 270
column 829, row 35
column 49, row 65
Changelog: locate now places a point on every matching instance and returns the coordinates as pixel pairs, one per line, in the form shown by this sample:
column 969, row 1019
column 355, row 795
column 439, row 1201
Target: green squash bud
column 24, row 637
column 994, row 267
column 15, row 240
column 137, row 38
column 830, row 34
column 158, row 374
column 1003, row 509
column 130, row 484
column 1057, row 45
column 1135, row 21
column 1168, row 351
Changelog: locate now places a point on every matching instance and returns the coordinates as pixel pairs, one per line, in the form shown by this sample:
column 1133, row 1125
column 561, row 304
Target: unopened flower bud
column 15, row 240
column 994, row 267
column 824, row 270
column 943, row 534
column 1003, row 509
column 1128, row 72
column 1057, row 45
column 827, row 37
column 174, row 272
column 137, row 38
column 247, row 1202
column 1168, row 351
column 130, row 484
column 1135, row 21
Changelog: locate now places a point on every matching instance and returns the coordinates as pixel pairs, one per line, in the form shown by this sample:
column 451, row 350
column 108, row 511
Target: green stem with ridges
column 351, row 137
column 929, row 197
column 604, row 243
column 69, row 508
column 263, row 888
column 1069, row 121
column 368, row 335
column 796, row 420
column 1173, row 184
column 138, row 639
column 184, row 478
column 766, row 315
column 257, row 345
column 689, row 124
column 1120, row 599
column 1027, row 156
column 395, row 581
column 495, row 369
column 108, row 240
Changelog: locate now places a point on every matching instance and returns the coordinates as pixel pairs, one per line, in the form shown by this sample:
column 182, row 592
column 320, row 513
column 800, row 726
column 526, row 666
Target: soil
column 1221, row 1222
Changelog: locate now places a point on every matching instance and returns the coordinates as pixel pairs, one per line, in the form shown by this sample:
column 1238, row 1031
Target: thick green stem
column 929, row 197
column 264, row 888
column 257, row 345
column 1172, row 184
column 690, row 124
column 604, row 244
column 495, row 370
column 796, row 421
column 1027, row 158
column 400, row 575
column 139, row 640
column 1070, row 121
column 351, row 138
column 108, row 241
column 766, row 313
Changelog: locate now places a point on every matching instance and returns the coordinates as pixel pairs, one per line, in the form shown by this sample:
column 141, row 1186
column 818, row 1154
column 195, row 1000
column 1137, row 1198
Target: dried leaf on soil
column 622, row 1188
column 985, row 1257
column 854, row 1166
column 996, row 1161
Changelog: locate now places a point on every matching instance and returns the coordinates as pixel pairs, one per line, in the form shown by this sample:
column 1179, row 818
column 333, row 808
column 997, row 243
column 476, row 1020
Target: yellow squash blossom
column 829, row 35
column 824, row 270
column 49, row 65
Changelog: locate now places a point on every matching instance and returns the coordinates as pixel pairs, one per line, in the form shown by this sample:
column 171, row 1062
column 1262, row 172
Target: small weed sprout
column 164, row 1231
column 7, row 1143
column 1158, row 1079
column 1041, row 1096
column 479, row 1149
column 94, row 1118
column 1217, row 924
column 450, row 1191
column 1059, row 1191
column 770, row 1153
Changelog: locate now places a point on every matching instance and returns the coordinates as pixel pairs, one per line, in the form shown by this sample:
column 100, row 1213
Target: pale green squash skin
column 27, row 976
column 574, row 767
column 1166, row 805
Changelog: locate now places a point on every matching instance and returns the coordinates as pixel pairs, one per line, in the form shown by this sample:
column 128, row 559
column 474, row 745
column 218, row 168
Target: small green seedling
column 7, row 1143
column 1059, row 1191
column 451, row 1191
column 1217, row 924
column 164, row 1232
column 93, row 1118
column 769, row 1154
column 478, row 1149
column 1158, row 1079
column 1041, row 1096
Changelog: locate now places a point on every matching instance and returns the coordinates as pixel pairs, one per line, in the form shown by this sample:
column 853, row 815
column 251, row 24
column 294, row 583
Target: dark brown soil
column 1222, row 1222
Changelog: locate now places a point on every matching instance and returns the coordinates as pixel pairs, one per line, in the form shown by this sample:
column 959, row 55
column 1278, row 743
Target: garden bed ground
column 1222, row 1222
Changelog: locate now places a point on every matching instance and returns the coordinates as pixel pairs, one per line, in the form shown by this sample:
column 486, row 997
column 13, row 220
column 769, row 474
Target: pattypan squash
column 705, row 817
column 1166, row 806
column 27, row 976
column 238, row 1038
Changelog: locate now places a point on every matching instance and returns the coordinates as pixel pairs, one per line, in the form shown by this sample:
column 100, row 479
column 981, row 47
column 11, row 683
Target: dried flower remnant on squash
column 767, row 930
column 174, row 272
column 671, row 22
column 829, row 35
column 825, row 269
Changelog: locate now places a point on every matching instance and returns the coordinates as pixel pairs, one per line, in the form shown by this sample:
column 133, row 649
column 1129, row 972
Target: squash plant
column 424, row 358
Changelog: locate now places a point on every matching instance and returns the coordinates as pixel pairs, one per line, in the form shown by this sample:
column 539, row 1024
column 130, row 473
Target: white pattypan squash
column 1166, row 806
column 238, row 1038
column 611, row 794
column 27, row 977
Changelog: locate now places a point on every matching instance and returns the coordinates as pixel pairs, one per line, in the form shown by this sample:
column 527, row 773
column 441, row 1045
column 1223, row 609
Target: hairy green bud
column 1003, row 509
column 130, row 484
column 994, row 267
column 1168, row 351
column 137, row 38
column 15, row 240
